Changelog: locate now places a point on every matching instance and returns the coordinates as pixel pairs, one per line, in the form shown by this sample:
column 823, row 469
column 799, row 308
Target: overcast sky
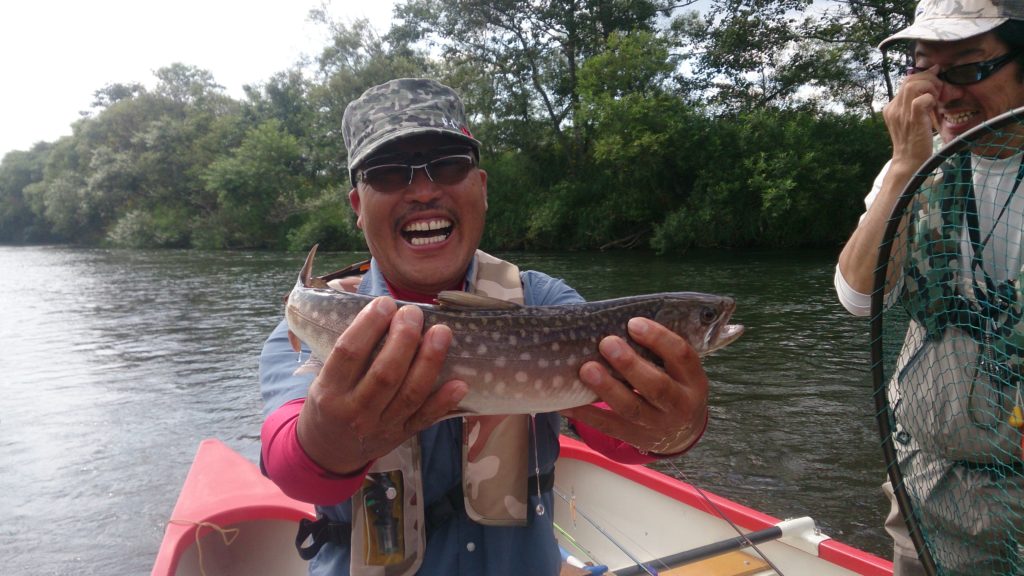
column 55, row 53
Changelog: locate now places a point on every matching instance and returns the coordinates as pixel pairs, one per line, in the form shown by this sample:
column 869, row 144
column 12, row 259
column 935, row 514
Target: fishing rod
column 603, row 532
column 751, row 540
column 565, row 534
column 793, row 527
column 722, row 515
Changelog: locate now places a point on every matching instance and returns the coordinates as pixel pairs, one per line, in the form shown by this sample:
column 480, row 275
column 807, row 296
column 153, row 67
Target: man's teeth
column 427, row 226
column 959, row 118
column 424, row 241
column 419, row 233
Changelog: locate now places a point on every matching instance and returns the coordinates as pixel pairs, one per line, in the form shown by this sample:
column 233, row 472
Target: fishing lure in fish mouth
column 516, row 359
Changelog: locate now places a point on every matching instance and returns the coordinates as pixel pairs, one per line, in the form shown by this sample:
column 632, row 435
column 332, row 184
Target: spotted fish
column 518, row 359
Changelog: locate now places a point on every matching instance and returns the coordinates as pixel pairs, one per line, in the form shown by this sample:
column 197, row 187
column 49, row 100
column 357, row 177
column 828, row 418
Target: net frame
column 881, row 315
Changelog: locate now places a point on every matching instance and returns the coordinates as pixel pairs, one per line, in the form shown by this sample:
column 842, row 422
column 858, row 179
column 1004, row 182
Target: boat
column 610, row 518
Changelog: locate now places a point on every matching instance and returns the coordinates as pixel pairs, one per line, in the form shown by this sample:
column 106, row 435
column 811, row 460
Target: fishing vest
column 388, row 524
column 956, row 377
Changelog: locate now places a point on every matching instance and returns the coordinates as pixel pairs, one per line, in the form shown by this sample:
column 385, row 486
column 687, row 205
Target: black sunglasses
column 394, row 176
column 972, row 73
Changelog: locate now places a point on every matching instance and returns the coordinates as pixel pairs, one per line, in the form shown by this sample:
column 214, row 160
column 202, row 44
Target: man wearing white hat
column 968, row 67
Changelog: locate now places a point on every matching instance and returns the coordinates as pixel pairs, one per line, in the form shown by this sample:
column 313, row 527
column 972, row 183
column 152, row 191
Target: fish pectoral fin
column 294, row 341
column 455, row 300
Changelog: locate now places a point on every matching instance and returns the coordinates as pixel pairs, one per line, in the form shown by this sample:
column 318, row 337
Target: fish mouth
column 725, row 335
column 722, row 333
column 427, row 231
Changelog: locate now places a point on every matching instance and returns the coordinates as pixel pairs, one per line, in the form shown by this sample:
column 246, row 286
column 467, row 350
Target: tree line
column 605, row 124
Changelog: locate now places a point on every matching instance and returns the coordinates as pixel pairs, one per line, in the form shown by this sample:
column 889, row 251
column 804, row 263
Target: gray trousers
column 904, row 556
column 972, row 518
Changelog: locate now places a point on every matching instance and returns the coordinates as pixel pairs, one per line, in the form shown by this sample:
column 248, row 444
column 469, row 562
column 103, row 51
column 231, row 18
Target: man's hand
column 661, row 410
column 361, row 407
column 911, row 117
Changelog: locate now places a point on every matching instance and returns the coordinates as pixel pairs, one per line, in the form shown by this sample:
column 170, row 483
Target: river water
column 114, row 364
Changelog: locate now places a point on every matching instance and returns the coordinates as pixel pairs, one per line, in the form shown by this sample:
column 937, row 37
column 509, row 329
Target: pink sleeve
column 288, row 465
column 622, row 451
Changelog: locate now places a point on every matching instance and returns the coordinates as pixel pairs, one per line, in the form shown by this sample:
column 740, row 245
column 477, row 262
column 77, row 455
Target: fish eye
column 708, row 315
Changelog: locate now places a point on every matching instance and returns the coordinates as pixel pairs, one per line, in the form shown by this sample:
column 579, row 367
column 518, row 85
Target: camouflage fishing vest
column 956, row 377
column 388, row 530
column 937, row 293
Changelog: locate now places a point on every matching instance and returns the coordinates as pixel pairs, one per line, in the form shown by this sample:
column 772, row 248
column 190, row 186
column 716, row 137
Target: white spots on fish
column 522, row 376
column 542, row 362
column 538, row 384
column 500, row 362
column 557, row 382
column 465, row 371
column 525, row 356
column 555, row 346
column 513, row 340
column 499, row 388
column 481, row 350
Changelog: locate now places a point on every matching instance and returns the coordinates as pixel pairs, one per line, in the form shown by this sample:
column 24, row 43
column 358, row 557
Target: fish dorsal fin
column 455, row 300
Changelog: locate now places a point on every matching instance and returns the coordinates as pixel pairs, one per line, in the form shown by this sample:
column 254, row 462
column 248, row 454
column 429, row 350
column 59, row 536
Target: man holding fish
column 401, row 488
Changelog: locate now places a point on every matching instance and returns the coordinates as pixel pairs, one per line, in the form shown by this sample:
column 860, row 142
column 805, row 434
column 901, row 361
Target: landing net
column 947, row 348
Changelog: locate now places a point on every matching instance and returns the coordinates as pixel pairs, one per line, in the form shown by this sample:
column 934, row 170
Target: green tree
column 260, row 186
column 525, row 55
column 356, row 59
column 19, row 223
column 782, row 53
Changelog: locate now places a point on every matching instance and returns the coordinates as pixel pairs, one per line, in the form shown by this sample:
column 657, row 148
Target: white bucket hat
column 950, row 20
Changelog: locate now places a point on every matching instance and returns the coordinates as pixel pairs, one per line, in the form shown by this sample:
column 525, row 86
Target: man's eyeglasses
column 972, row 73
column 392, row 177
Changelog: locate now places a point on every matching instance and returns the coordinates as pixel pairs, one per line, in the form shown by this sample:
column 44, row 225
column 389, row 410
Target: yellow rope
column 228, row 535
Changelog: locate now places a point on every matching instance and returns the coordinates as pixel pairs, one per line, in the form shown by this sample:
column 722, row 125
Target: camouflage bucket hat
column 950, row 20
column 399, row 109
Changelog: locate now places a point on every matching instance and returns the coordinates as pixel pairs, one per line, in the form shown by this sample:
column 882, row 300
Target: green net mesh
column 948, row 348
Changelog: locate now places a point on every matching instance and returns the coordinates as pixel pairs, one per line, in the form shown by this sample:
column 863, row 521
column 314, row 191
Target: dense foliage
column 606, row 123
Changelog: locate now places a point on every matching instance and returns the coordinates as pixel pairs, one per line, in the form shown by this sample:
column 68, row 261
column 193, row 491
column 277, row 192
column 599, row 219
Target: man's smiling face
column 963, row 107
column 423, row 235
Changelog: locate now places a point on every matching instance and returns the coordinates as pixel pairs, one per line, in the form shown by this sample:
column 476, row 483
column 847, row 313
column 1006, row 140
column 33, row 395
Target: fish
column 517, row 359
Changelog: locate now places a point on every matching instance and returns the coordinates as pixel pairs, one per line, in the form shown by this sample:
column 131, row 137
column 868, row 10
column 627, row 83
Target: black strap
column 321, row 531
column 437, row 514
